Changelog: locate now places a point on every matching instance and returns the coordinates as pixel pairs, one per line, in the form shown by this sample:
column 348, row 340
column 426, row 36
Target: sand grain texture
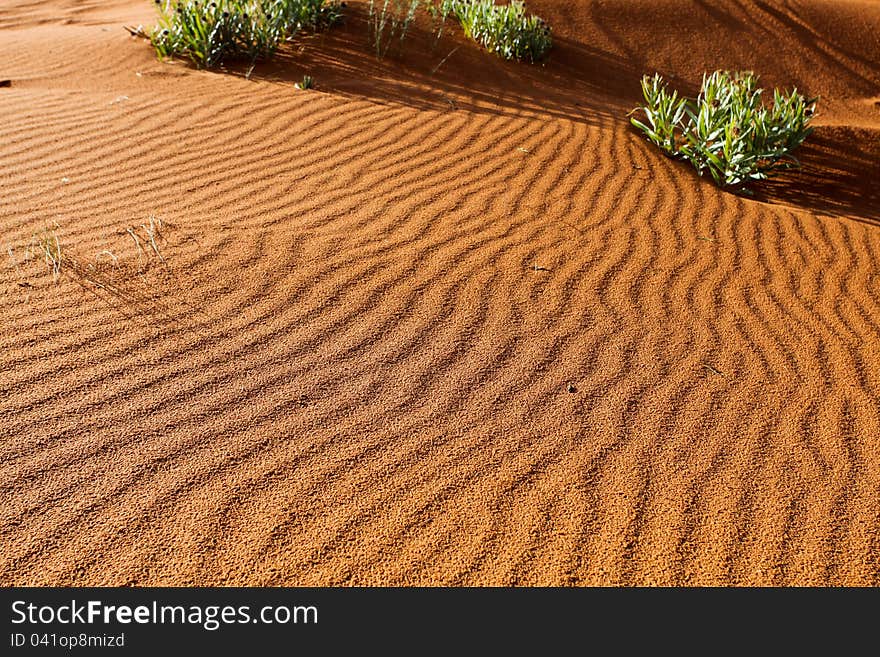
column 456, row 328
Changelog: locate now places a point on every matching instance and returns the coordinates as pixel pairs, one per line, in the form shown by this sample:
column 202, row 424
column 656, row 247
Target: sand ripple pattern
column 400, row 345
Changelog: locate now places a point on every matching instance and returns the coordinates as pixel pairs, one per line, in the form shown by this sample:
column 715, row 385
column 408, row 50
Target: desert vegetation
column 506, row 30
column 48, row 246
column 388, row 22
column 728, row 129
column 209, row 33
column 307, row 82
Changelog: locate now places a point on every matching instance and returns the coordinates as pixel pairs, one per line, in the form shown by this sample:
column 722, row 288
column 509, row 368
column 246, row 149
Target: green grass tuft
column 210, row 33
column 388, row 21
column 49, row 246
column 727, row 130
column 505, row 30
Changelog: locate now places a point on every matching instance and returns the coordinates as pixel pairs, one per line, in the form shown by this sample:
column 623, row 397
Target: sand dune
column 460, row 327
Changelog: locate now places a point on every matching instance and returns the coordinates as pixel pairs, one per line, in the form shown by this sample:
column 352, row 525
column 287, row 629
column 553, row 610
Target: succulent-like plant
column 505, row 30
column 727, row 130
column 210, row 33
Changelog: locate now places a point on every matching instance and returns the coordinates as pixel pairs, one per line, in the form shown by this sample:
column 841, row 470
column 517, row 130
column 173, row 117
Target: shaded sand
column 461, row 327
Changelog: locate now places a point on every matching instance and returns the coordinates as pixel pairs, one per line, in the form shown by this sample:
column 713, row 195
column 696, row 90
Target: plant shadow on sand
column 838, row 177
column 577, row 83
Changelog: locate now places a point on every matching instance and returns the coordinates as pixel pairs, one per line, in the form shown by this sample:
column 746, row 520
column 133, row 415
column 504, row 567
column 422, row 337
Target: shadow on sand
column 576, row 83
column 839, row 176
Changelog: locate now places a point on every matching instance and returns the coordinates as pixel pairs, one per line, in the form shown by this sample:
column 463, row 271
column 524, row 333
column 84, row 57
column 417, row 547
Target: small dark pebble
column 571, row 388
column 24, row 284
column 5, row 83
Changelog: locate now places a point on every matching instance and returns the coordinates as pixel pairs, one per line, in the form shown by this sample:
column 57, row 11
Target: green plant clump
column 505, row 30
column 727, row 130
column 210, row 33
column 389, row 22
